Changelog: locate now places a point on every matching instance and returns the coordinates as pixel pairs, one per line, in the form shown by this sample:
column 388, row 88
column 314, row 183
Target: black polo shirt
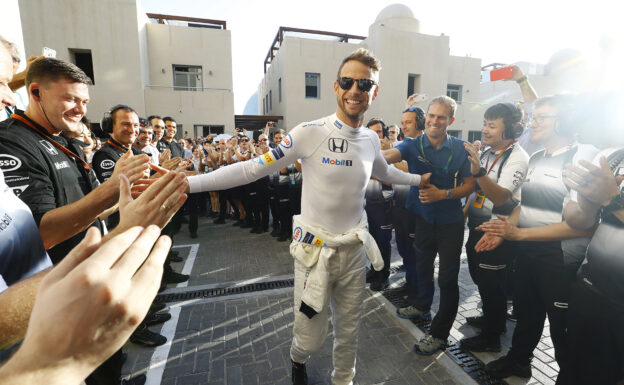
column 42, row 175
column 175, row 148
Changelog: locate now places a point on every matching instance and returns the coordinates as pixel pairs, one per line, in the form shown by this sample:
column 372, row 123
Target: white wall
column 108, row 28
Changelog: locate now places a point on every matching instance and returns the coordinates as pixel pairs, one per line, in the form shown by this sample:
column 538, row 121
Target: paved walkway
column 244, row 338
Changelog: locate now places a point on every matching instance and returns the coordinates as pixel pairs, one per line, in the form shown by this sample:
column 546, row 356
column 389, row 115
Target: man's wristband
column 449, row 195
column 482, row 172
column 522, row 79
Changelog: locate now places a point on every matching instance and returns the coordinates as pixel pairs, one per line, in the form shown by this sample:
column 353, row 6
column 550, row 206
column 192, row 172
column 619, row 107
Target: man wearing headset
column 499, row 172
column 46, row 171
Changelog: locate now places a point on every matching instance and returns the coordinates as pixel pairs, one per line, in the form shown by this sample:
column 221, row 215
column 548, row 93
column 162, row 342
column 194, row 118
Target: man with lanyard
column 549, row 252
column 439, row 224
column 597, row 296
column 330, row 239
column 50, row 177
column 499, row 174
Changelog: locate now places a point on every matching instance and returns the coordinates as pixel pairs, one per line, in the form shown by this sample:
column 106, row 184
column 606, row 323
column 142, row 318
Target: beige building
column 301, row 66
column 158, row 64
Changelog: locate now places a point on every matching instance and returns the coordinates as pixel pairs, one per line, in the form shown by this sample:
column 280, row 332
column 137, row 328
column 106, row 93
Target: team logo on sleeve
column 9, row 162
column 273, row 155
column 287, row 142
column 297, row 234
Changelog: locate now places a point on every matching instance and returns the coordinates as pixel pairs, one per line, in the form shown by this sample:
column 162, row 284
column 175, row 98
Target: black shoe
column 512, row 316
column 174, row 256
column 476, row 322
column 173, row 277
column 400, row 291
column 156, row 307
column 481, row 343
column 263, row 230
column 479, row 321
column 136, row 380
column 506, row 367
column 193, row 235
column 256, row 230
column 238, row 223
column 156, row 318
column 275, row 233
column 219, row 221
column 246, row 225
column 379, row 285
column 299, row 374
column 370, row 275
column 283, row 237
column 145, row 337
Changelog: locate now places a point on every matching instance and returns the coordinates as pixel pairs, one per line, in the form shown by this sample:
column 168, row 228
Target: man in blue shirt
column 438, row 216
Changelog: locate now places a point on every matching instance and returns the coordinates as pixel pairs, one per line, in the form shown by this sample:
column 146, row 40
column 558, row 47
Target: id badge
column 478, row 201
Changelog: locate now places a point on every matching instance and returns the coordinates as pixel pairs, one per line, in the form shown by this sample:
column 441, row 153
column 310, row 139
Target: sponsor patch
column 338, row 145
column 49, row 147
column 287, row 142
column 273, row 155
column 61, row 165
column 5, row 221
column 259, row 159
column 18, row 190
column 337, row 162
column 338, row 124
column 107, row 164
column 9, row 162
column 297, row 233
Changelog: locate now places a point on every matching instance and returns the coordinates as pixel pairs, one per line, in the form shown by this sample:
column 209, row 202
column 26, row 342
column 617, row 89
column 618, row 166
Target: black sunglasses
column 364, row 85
column 244, row 140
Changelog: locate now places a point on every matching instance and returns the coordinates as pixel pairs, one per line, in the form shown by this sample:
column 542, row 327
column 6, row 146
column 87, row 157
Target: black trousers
column 248, row 199
column 195, row 204
column 274, row 206
column 283, row 204
column 447, row 241
column 489, row 271
column 403, row 224
column 595, row 337
column 261, row 203
column 543, row 284
column 380, row 227
column 109, row 373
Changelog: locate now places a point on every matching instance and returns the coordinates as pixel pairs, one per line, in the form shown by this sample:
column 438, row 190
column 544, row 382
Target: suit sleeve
column 383, row 171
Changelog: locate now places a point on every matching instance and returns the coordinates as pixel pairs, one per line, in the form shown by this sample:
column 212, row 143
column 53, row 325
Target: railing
column 179, row 88
column 161, row 19
column 279, row 37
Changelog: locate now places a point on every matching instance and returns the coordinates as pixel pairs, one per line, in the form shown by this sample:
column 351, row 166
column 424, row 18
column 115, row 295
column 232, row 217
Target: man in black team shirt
column 47, row 172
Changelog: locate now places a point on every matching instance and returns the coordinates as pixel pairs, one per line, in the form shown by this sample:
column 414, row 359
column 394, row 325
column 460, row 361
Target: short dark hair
column 49, row 69
column 365, row 57
column 168, row 119
column 149, row 118
column 280, row 131
column 118, row 108
column 511, row 115
column 374, row 121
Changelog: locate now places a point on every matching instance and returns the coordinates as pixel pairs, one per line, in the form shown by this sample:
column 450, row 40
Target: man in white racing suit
column 330, row 237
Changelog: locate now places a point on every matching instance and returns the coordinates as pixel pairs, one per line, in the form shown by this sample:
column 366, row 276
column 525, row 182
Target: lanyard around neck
column 497, row 158
column 49, row 137
column 114, row 144
column 448, row 162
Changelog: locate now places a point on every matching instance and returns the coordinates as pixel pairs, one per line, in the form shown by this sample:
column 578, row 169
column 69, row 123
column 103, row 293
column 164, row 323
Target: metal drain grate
column 225, row 291
column 474, row 367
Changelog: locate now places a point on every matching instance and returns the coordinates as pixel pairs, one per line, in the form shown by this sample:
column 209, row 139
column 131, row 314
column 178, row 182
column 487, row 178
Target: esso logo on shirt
column 107, row 164
column 297, row 234
column 287, row 142
column 9, row 162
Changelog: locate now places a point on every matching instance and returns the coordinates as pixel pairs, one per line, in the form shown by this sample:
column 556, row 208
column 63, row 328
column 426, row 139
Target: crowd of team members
column 532, row 220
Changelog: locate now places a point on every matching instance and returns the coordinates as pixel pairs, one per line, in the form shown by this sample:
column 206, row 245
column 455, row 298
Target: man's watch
column 448, row 194
column 482, row 172
column 617, row 202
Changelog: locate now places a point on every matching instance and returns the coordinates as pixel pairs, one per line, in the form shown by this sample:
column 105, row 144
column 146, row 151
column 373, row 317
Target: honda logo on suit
column 338, row 145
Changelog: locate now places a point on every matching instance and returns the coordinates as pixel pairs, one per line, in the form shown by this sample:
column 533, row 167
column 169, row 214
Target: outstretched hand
column 88, row 305
column 502, row 228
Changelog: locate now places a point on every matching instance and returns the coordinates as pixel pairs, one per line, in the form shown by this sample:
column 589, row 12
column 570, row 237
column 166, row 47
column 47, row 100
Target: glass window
column 474, row 135
column 455, row 133
column 454, row 91
column 279, row 89
column 187, row 78
column 312, row 85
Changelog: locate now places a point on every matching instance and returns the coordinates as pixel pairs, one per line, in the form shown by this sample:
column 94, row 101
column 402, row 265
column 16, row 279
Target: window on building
column 187, row 78
column 279, row 90
column 312, row 85
column 413, row 84
column 266, row 101
column 206, row 129
column 474, row 135
column 454, row 91
column 455, row 133
column 82, row 59
column 270, row 100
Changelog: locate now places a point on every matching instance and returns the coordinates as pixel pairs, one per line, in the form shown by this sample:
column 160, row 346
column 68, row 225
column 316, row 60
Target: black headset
column 107, row 121
column 513, row 124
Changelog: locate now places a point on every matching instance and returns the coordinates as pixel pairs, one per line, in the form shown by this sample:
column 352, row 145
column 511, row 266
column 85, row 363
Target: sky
column 495, row 31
